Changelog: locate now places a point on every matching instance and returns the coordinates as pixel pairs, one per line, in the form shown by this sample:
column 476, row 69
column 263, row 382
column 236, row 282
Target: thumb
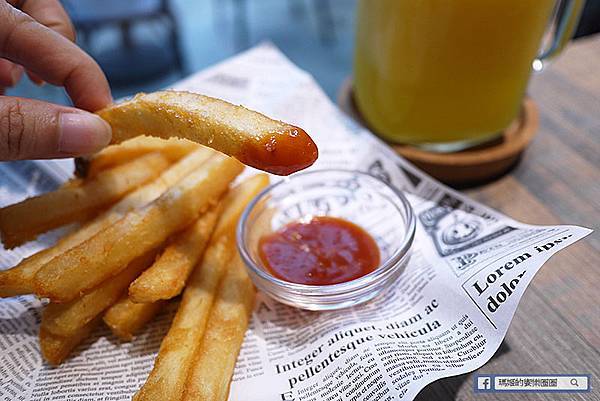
column 30, row 129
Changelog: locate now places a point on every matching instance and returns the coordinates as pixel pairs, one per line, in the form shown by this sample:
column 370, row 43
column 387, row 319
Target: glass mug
column 449, row 74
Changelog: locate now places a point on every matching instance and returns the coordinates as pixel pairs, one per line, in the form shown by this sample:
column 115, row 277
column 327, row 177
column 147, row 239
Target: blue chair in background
column 133, row 41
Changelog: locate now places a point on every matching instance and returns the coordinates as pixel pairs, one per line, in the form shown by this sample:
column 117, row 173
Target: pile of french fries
column 156, row 220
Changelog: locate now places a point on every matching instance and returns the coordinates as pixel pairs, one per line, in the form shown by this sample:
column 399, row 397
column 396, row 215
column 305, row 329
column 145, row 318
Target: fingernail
column 15, row 74
column 82, row 133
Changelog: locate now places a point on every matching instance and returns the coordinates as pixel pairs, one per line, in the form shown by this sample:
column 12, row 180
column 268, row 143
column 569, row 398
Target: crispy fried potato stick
column 72, row 183
column 213, row 364
column 105, row 254
column 66, row 319
column 126, row 318
column 55, row 349
column 166, row 278
column 236, row 201
column 251, row 137
column 173, row 149
column 23, row 221
column 19, row 279
column 167, row 379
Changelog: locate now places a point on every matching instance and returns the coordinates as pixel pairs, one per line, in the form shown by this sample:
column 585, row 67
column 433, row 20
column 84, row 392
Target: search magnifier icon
column 574, row 382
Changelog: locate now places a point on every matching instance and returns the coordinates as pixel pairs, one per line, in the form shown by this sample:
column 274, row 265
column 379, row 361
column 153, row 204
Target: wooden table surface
column 557, row 326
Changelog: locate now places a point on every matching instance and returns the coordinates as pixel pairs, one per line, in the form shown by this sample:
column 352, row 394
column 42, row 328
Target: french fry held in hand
column 19, row 279
column 173, row 362
column 55, row 349
column 251, row 137
column 86, row 265
column 173, row 149
column 25, row 220
column 166, row 278
column 215, row 359
column 66, row 319
column 126, row 318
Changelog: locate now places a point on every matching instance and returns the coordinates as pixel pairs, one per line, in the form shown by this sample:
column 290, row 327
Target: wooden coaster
column 468, row 167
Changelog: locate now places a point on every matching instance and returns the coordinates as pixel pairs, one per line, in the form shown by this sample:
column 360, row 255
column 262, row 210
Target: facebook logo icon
column 483, row 383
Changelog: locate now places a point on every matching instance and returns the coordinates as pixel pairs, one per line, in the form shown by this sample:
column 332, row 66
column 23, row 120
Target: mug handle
column 565, row 28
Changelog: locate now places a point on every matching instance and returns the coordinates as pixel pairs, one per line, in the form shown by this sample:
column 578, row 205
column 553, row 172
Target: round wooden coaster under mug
column 467, row 167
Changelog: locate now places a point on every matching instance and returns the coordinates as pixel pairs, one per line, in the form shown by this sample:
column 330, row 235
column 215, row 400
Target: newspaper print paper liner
column 383, row 349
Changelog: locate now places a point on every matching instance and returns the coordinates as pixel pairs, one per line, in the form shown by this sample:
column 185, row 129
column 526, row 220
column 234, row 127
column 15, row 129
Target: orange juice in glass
column 449, row 74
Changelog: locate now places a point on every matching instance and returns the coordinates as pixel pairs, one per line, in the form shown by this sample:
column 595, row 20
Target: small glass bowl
column 378, row 208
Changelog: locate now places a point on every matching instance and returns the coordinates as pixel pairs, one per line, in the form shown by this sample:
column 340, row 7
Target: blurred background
column 144, row 45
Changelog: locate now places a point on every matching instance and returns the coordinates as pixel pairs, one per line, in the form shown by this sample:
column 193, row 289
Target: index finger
column 49, row 13
column 54, row 58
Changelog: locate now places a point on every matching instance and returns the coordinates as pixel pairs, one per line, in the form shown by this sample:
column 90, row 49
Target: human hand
column 36, row 37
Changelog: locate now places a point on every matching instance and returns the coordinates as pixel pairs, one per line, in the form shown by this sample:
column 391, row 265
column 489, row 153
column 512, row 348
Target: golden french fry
column 23, row 221
column 55, row 349
column 167, row 379
column 19, row 279
column 251, row 137
column 66, row 319
column 236, row 201
column 125, row 318
column 105, row 254
column 173, row 149
column 213, row 364
column 72, row 183
column 166, row 278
